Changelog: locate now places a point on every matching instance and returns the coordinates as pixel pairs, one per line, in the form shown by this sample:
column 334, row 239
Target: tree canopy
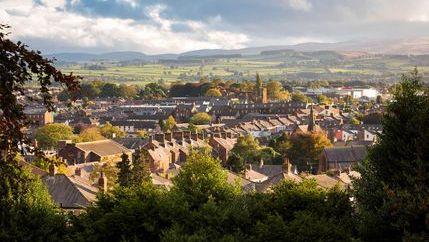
column 201, row 118
column 392, row 193
column 49, row 135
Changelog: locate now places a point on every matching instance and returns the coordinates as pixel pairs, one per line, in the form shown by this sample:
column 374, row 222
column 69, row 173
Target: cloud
column 131, row 3
column 73, row 31
column 160, row 26
column 303, row 5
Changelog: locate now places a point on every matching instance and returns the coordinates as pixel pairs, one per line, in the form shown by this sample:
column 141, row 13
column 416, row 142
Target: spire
column 312, row 122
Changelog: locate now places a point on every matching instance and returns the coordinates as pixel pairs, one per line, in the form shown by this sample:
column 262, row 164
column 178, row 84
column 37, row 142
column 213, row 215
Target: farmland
column 286, row 65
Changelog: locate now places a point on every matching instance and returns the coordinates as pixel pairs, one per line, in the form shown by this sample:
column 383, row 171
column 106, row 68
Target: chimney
column 194, row 136
column 178, row 135
column 168, row 136
column 200, row 135
column 52, row 169
column 150, row 139
column 63, row 143
column 187, row 134
column 102, row 182
column 261, row 163
column 78, row 171
column 229, row 135
column 160, row 137
column 287, row 166
column 250, row 167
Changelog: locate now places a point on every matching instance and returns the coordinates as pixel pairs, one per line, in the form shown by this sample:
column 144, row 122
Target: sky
column 175, row 26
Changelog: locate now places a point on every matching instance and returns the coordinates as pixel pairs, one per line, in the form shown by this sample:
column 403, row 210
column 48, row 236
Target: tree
column 26, row 211
column 109, row 131
column 213, row 92
column 201, row 179
column 322, row 99
column 258, row 86
column 124, row 171
column 48, row 136
column 89, row 134
column 153, row 91
column 303, row 149
column 140, row 173
column 127, row 91
column 299, row 97
column 170, row 123
column 110, row 90
column 246, row 148
column 235, row 163
column 201, row 118
column 354, row 121
column 392, row 194
column 275, row 90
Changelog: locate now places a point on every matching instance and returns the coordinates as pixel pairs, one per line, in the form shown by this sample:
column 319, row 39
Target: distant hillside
column 417, row 46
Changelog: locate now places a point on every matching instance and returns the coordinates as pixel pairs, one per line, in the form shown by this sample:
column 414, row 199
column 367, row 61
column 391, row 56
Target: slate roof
column 131, row 142
column 70, row 191
column 33, row 169
column 345, row 154
column 325, row 181
column 103, row 147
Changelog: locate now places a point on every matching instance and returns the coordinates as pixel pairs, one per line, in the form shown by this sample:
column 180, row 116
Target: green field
column 296, row 66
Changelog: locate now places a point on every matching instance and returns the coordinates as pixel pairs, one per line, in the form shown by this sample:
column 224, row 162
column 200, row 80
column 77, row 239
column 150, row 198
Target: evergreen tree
column 393, row 192
column 140, row 172
column 258, row 86
column 124, row 174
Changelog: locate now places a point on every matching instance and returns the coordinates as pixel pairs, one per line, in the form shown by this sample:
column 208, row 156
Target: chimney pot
column 102, row 182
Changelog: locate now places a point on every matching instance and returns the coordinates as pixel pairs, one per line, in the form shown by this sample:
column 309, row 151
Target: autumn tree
column 200, row 118
column 275, row 91
column 109, row 131
column 49, row 135
column 213, row 92
column 303, row 149
column 89, row 134
column 169, row 124
column 299, row 97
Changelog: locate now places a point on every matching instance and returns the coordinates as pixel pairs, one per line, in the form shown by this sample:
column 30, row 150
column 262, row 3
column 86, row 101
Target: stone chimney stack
column 52, row 169
column 194, row 136
column 261, row 163
column 287, row 166
column 102, row 182
column 160, row 137
column 168, row 136
column 78, row 171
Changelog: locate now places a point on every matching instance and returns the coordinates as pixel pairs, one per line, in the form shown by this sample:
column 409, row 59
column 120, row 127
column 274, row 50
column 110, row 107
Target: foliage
column 258, row 85
column 392, row 193
column 89, row 134
column 354, row 121
column 109, row 170
column 213, row 92
column 303, row 149
column 140, row 172
column 322, row 99
column 169, row 125
column 200, row 118
column 299, row 97
column 48, row 136
column 153, row 91
column 26, row 210
column 109, row 131
column 275, row 91
column 124, row 171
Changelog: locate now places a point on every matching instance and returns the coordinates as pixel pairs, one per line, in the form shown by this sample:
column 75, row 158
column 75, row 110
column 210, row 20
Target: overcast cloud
column 173, row 26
